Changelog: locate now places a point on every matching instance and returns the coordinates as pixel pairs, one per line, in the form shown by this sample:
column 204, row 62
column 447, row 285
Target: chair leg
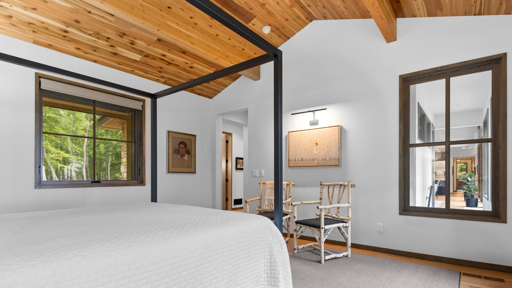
column 295, row 239
column 295, row 230
column 322, row 232
column 349, row 240
column 289, row 226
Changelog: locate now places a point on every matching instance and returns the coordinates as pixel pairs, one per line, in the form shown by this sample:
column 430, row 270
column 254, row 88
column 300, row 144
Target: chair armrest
column 252, row 199
column 306, row 202
column 344, row 205
column 246, row 208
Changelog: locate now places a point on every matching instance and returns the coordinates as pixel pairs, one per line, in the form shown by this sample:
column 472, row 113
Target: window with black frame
column 87, row 137
column 453, row 120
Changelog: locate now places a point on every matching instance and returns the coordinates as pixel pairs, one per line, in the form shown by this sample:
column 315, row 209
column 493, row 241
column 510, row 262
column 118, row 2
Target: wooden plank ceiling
column 172, row 42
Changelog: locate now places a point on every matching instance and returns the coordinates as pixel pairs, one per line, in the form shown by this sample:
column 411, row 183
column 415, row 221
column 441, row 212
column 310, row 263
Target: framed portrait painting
column 181, row 152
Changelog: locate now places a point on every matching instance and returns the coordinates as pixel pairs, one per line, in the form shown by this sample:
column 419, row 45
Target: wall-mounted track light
column 314, row 121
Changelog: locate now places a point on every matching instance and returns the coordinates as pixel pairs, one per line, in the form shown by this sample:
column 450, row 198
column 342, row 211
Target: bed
column 141, row 245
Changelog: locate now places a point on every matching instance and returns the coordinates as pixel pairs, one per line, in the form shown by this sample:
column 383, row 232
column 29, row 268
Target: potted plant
column 469, row 189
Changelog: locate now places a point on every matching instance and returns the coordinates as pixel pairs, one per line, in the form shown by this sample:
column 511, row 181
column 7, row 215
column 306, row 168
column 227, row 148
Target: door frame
column 227, row 170
column 471, row 167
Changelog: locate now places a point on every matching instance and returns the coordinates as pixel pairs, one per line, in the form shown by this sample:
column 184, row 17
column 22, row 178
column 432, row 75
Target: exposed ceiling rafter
column 385, row 18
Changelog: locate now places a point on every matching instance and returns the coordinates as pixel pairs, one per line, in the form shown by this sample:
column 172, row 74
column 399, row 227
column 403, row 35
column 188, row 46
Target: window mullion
column 94, row 140
column 406, row 149
column 448, row 171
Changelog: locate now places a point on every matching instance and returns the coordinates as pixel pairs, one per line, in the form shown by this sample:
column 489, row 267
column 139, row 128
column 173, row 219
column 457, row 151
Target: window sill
column 87, row 184
column 455, row 216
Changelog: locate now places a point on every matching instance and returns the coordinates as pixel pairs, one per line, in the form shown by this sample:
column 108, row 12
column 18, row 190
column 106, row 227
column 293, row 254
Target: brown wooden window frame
column 139, row 142
column 498, row 65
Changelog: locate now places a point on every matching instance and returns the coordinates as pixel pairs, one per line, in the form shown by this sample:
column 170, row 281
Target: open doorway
column 462, row 166
column 232, row 155
column 227, row 170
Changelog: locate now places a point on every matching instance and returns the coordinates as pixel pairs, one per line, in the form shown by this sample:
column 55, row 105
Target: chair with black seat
column 266, row 203
column 326, row 221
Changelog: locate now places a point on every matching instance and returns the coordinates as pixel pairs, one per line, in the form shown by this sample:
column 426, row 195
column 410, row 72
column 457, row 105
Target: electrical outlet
column 262, row 173
column 380, row 227
column 254, row 173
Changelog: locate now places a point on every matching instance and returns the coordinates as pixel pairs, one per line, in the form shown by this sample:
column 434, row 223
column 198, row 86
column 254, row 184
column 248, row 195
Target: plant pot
column 471, row 202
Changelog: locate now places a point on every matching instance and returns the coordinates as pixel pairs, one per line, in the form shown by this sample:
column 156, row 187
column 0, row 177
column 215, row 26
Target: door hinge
column 227, row 180
column 227, row 141
column 227, row 160
column 139, row 172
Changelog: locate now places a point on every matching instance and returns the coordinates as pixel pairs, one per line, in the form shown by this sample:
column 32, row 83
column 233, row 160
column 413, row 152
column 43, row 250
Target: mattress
column 141, row 245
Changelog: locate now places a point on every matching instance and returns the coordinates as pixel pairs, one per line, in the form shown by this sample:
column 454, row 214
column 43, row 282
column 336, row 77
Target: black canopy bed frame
column 273, row 54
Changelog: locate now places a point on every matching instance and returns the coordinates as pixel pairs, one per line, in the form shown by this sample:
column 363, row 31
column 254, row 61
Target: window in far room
column 87, row 137
column 453, row 123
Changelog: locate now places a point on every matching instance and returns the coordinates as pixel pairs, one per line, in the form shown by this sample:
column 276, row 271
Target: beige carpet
column 363, row 271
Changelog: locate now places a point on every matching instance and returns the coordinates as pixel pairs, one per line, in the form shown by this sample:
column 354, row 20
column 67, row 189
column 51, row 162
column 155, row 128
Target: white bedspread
column 141, row 245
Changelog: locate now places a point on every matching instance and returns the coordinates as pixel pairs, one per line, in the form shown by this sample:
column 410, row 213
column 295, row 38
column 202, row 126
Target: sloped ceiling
column 172, row 42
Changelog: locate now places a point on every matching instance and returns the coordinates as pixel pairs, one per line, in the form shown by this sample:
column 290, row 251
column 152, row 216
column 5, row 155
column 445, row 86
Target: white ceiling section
column 467, row 93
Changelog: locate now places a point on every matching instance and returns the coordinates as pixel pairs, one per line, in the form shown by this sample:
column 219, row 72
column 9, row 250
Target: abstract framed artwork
column 181, row 152
column 318, row 147
column 239, row 163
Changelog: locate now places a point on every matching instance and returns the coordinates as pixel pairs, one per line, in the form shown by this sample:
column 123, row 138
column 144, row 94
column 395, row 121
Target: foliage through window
column 87, row 142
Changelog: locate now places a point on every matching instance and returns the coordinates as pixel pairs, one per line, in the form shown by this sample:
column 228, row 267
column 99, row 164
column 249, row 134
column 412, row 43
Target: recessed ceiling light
column 266, row 29
column 463, row 147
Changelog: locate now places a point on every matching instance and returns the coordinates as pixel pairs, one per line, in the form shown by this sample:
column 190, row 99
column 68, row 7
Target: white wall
column 186, row 113
column 17, row 193
column 347, row 67
column 237, row 130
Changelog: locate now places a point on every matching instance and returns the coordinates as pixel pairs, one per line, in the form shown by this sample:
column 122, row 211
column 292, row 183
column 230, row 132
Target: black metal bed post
column 154, row 188
column 278, row 141
column 234, row 25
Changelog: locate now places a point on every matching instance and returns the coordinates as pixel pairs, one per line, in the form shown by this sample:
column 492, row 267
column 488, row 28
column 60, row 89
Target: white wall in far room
column 238, row 151
column 17, row 115
column 357, row 78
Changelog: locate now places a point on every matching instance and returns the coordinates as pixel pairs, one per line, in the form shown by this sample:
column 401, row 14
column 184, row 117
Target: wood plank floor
column 469, row 276
column 456, row 201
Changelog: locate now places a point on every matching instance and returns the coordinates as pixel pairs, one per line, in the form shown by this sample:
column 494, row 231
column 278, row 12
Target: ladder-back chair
column 326, row 221
column 266, row 210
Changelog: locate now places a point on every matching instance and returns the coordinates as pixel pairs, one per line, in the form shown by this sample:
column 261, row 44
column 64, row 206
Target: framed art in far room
column 181, row 152
column 239, row 163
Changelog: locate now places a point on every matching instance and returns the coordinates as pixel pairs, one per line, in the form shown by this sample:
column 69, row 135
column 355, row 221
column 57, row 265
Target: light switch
column 262, row 173
column 254, row 173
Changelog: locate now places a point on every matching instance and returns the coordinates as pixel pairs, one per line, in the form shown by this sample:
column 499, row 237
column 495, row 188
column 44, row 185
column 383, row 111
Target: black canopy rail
column 273, row 54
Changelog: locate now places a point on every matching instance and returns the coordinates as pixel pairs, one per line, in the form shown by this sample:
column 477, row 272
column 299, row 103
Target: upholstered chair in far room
column 326, row 221
column 266, row 203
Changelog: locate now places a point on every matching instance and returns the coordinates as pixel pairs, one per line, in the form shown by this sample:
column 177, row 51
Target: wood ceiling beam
column 253, row 73
column 385, row 18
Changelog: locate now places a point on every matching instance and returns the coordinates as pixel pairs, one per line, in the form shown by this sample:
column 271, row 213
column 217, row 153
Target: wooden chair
column 326, row 221
column 268, row 212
